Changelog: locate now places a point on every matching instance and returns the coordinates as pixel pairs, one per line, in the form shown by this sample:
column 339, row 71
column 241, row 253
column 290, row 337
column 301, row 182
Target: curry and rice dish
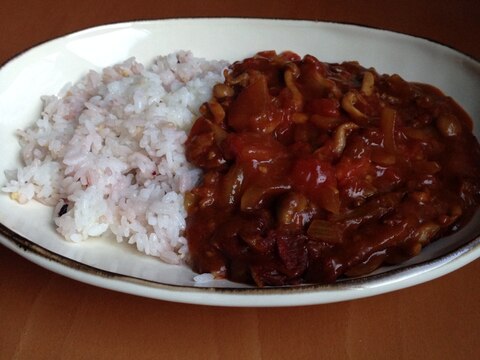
column 275, row 170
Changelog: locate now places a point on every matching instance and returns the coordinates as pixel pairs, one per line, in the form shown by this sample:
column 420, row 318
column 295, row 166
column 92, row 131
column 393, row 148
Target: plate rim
column 349, row 289
column 228, row 18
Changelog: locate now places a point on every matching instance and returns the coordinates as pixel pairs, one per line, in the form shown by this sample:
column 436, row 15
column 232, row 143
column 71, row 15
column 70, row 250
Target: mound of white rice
column 108, row 153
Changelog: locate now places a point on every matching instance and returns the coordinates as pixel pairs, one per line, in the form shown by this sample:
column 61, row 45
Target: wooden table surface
column 47, row 316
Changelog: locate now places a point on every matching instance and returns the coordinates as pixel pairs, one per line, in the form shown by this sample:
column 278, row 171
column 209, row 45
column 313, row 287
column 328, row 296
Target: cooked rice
column 108, row 153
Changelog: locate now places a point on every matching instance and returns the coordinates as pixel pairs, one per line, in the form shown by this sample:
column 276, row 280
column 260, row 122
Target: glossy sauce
column 314, row 171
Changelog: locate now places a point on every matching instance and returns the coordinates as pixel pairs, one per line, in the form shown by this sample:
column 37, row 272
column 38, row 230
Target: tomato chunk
column 324, row 107
column 253, row 109
column 316, row 179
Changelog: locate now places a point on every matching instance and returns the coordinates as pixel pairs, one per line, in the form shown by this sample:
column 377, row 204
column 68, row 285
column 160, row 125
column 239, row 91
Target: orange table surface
column 44, row 315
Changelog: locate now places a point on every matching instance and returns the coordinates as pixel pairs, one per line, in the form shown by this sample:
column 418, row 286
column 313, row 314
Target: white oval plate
column 45, row 69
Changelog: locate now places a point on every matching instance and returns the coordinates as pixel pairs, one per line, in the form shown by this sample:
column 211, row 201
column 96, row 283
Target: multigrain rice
column 107, row 153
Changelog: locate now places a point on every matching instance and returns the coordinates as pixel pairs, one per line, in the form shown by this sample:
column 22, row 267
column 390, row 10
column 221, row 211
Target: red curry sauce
column 314, row 171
